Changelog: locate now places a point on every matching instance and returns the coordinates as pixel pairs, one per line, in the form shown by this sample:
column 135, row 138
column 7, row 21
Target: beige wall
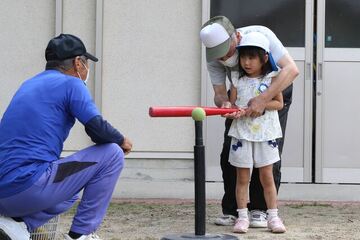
column 25, row 28
column 151, row 56
column 79, row 19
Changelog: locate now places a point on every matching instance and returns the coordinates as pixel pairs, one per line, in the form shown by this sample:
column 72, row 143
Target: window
column 341, row 24
column 286, row 18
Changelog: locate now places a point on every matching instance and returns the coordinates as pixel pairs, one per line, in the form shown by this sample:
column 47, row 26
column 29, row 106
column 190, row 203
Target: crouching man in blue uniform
column 35, row 184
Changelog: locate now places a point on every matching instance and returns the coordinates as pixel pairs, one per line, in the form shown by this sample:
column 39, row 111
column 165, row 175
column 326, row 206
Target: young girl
column 254, row 139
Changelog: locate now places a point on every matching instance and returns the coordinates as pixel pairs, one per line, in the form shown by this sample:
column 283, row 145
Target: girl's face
column 252, row 65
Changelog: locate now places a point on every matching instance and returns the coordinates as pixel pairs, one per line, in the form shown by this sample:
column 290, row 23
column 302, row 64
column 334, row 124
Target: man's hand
column 126, row 146
column 256, row 107
column 226, row 104
column 233, row 115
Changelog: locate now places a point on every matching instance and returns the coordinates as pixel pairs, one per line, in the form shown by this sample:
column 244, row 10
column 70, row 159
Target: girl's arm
column 277, row 103
column 232, row 99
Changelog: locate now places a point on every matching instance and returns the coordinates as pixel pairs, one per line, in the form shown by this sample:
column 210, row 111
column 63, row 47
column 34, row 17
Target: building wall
column 26, row 27
column 150, row 54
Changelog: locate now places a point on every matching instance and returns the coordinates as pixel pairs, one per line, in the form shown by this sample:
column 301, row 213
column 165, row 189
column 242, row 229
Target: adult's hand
column 226, row 104
column 256, row 107
column 126, row 146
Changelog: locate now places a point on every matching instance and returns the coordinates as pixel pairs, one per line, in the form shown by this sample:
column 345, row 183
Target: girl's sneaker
column 276, row 225
column 241, row 225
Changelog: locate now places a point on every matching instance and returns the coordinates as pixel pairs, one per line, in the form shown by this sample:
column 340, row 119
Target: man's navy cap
column 66, row 46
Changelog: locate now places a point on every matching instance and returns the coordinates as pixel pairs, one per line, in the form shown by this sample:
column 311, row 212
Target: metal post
column 199, row 175
column 200, row 196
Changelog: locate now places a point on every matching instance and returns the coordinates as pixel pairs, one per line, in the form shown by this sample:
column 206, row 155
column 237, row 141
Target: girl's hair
column 253, row 51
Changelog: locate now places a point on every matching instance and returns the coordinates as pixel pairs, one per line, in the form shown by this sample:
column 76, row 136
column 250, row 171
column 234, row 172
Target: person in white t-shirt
column 253, row 139
column 220, row 39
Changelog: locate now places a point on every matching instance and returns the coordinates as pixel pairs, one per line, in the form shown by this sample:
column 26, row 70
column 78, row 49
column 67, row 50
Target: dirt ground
column 129, row 219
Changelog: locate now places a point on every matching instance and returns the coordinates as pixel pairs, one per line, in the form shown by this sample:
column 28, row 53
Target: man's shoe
column 276, row 225
column 12, row 230
column 92, row 236
column 258, row 219
column 241, row 225
column 225, row 220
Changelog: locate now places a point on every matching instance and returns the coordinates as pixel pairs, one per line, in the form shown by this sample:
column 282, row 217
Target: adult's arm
column 221, row 98
column 287, row 75
column 217, row 74
column 100, row 131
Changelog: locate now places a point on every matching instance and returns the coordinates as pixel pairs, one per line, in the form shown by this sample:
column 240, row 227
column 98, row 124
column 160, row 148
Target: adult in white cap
column 220, row 39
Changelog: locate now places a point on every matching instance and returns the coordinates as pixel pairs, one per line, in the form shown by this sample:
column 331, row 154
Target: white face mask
column 87, row 74
column 231, row 61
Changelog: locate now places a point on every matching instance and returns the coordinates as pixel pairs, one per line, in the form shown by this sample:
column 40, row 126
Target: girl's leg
column 267, row 181
column 242, row 188
column 266, row 177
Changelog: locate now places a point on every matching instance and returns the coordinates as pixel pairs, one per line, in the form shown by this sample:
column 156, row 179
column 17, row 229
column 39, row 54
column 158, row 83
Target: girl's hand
column 235, row 115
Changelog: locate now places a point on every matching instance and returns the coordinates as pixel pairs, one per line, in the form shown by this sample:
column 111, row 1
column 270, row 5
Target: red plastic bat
column 185, row 111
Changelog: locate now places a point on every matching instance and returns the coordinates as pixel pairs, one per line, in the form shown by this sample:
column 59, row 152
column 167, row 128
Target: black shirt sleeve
column 100, row 131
